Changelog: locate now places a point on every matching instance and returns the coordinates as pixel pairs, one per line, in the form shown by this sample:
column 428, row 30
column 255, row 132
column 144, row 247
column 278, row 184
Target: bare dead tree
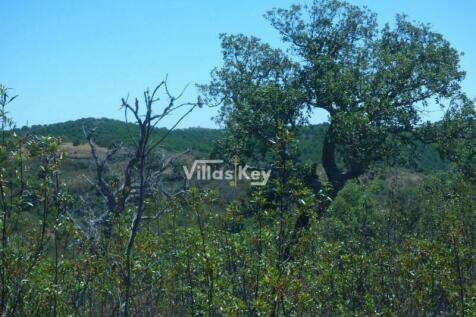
column 137, row 180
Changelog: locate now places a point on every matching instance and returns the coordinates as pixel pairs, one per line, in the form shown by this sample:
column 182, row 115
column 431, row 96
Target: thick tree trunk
column 337, row 180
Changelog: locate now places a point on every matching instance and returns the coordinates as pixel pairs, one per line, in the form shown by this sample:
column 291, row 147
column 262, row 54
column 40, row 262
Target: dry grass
column 82, row 151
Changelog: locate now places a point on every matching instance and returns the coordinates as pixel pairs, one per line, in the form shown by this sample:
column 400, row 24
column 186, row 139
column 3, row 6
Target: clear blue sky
column 73, row 59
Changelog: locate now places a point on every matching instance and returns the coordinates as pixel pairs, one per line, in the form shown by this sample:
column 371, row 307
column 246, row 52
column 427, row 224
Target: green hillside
column 110, row 131
column 201, row 140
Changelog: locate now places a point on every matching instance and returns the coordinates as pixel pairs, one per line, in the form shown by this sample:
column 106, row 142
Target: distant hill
column 110, row 131
column 201, row 140
column 198, row 140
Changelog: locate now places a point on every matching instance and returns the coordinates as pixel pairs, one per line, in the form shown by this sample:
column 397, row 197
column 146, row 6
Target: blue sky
column 73, row 59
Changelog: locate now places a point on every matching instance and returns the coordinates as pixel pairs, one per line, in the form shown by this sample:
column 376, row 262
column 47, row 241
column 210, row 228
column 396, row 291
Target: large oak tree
column 374, row 82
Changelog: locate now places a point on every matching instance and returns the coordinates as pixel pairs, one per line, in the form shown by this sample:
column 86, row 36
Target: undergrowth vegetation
column 348, row 224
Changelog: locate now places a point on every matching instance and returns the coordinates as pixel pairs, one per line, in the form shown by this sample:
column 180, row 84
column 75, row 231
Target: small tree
column 138, row 180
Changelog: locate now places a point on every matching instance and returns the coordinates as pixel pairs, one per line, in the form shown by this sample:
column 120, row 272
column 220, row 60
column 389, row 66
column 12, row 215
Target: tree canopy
column 374, row 82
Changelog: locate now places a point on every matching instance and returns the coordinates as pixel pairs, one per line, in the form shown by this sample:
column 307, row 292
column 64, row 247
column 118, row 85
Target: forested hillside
column 109, row 132
column 201, row 141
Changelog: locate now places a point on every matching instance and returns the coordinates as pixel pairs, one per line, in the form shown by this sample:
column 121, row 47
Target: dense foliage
column 340, row 229
column 393, row 244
